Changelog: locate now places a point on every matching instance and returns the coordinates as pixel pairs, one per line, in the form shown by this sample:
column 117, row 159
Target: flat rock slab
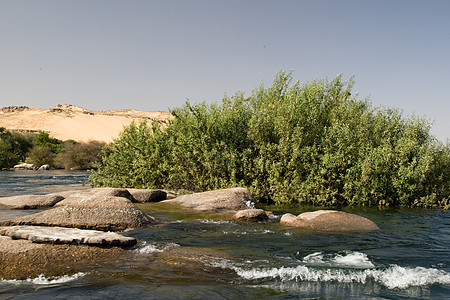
column 217, row 200
column 72, row 236
column 30, row 201
column 329, row 220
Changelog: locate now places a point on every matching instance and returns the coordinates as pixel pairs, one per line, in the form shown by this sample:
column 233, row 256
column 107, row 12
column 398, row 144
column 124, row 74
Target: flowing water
column 217, row 258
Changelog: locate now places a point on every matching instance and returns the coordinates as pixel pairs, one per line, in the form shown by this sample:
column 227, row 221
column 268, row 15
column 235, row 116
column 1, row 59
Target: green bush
column 41, row 155
column 311, row 143
column 79, row 156
column 13, row 147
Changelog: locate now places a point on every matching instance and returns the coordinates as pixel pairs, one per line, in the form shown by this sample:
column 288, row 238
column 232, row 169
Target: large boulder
column 97, row 209
column 30, row 201
column 22, row 259
column 62, row 235
column 251, row 215
column 85, row 195
column 147, row 195
column 329, row 220
column 218, row 200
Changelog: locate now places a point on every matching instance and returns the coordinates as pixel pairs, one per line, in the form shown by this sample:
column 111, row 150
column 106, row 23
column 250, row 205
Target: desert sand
column 67, row 121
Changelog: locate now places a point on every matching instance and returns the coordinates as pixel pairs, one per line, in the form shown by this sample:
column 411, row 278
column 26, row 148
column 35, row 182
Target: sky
column 154, row 55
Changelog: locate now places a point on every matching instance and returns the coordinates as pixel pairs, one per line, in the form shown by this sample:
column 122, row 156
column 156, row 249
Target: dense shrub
column 79, row 156
column 13, row 147
column 41, row 155
column 310, row 143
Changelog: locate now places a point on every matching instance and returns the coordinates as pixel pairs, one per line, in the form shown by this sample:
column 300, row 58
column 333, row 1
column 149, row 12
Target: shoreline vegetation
column 289, row 143
column 308, row 144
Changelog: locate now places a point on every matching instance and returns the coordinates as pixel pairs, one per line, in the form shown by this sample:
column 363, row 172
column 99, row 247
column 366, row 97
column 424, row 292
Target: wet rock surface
column 217, row 200
column 329, row 220
column 251, row 215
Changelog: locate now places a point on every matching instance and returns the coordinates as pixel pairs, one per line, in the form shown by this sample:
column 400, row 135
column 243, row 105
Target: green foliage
column 309, row 143
column 13, row 147
column 79, row 156
column 43, row 139
column 41, row 155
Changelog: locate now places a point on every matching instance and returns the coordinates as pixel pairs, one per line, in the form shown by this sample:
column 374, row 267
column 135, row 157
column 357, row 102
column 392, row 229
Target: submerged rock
column 90, row 210
column 30, row 201
column 329, row 220
column 218, row 200
column 251, row 215
column 148, row 195
column 61, row 235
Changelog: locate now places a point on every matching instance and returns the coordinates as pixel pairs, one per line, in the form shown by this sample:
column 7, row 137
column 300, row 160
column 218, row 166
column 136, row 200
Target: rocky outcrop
column 105, row 209
column 61, row 235
column 147, row 195
column 218, row 200
column 329, row 220
column 251, row 215
column 22, row 259
column 30, row 201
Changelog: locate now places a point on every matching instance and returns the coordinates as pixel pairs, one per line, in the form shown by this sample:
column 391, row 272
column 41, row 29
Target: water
column 206, row 256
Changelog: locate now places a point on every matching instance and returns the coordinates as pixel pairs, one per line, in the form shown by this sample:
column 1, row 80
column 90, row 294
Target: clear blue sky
column 152, row 55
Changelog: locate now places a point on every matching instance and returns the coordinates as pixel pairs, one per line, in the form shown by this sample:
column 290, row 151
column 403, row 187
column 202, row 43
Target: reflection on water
column 193, row 256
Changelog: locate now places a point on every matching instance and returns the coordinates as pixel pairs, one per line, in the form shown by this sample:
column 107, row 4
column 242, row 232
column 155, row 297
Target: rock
column 85, row 195
column 30, row 201
column 44, row 167
column 251, row 215
column 25, row 166
column 61, row 235
column 96, row 209
column 329, row 220
column 22, row 259
column 147, row 195
column 218, row 200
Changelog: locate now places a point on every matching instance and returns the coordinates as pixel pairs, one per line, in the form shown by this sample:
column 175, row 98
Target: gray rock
column 30, row 201
column 218, row 200
column 147, row 195
column 61, row 235
column 44, row 167
column 251, row 215
column 95, row 210
column 329, row 220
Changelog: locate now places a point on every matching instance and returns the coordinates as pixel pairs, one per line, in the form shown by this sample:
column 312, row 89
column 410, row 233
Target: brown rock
column 251, row 215
column 329, row 220
column 218, row 200
column 22, row 259
column 30, row 201
column 95, row 210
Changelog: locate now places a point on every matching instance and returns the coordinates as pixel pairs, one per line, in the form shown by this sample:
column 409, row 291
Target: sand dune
column 72, row 122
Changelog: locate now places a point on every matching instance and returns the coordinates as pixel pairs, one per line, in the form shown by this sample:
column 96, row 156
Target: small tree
column 79, row 156
column 41, row 155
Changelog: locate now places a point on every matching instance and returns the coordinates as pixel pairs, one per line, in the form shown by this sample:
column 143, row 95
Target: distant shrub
column 41, row 155
column 79, row 156
column 44, row 139
column 13, row 147
column 310, row 143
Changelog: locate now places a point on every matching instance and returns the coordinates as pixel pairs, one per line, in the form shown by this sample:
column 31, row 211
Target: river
column 409, row 258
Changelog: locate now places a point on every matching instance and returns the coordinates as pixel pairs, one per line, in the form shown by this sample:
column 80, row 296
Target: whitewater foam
column 351, row 267
column 42, row 280
column 146, row 248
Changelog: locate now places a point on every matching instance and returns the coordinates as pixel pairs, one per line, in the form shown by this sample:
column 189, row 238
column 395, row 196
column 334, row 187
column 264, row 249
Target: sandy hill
column 72, row 122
